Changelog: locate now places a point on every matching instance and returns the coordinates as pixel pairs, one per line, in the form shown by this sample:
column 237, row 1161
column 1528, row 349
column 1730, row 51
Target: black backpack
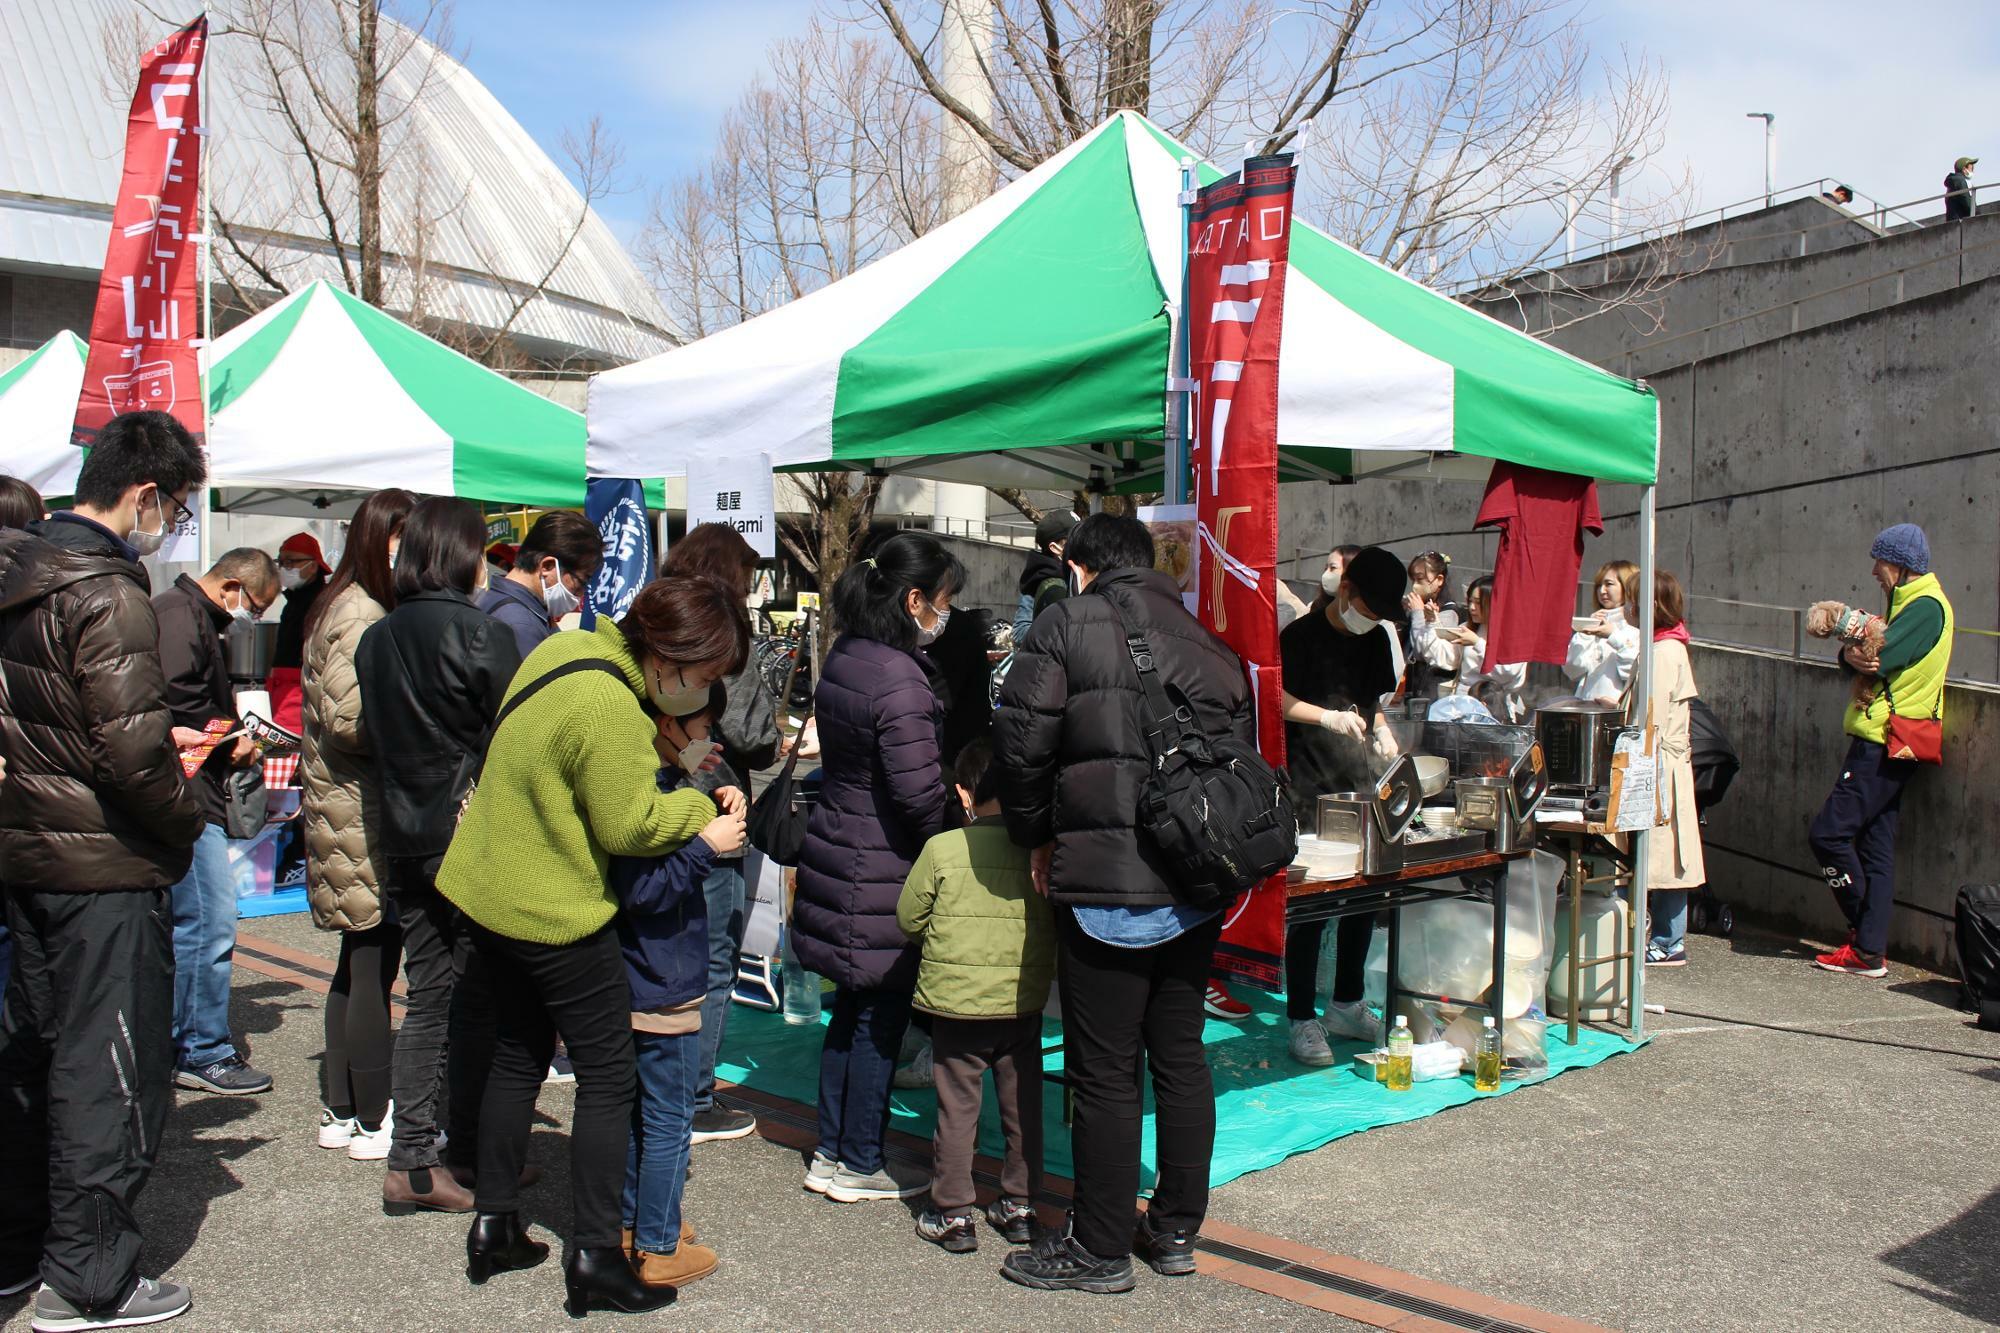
column 1977, row 941
column 1710, row 754
column 1212, row 807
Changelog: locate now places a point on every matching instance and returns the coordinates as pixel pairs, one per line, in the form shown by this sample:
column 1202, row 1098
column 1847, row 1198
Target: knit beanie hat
column 1379, row 579
column 1903, row 545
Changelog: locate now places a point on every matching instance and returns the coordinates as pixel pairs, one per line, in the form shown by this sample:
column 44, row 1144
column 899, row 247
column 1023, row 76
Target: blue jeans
column 1668, row 911
column 856, row 1066
column 657, row 1159
column 204, row 945
column 725, row 892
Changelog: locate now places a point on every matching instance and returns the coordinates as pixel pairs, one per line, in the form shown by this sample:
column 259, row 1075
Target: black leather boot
column 497, row 1243
column 602, row 1279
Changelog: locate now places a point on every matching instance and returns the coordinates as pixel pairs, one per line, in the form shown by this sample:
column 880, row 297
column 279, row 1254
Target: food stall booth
column 1031, row 342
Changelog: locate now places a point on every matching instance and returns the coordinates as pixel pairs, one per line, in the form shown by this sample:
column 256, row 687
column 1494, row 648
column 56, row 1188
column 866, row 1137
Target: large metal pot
column 1578, row 736
column 249, row 648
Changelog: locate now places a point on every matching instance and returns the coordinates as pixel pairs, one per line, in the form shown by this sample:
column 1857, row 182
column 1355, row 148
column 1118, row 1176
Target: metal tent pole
column 1642, row 692
column 1179, row 386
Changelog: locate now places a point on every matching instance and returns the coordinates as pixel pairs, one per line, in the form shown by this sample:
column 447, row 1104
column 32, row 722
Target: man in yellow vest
column 1895, row 725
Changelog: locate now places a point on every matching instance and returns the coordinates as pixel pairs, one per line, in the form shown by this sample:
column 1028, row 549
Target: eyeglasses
column 182, row 515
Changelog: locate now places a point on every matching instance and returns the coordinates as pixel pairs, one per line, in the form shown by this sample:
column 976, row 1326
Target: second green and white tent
column 1027, row 342
column 323, row 390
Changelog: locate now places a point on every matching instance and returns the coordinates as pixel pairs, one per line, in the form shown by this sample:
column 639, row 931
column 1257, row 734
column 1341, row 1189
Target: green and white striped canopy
column 1026, row 342
column 37, row 408
column 324, row 391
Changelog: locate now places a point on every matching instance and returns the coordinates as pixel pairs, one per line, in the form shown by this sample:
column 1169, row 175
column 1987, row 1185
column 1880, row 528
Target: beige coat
column 342, row 802
column 1674, row 857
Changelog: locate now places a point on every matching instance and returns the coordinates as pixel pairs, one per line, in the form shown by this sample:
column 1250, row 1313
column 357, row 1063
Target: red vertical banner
column 143, row 333
column 1239, row 240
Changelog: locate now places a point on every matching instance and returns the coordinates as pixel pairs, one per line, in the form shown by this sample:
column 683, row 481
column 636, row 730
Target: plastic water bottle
column 1401, row 1047
column 802, row 992
column 1486, row 1060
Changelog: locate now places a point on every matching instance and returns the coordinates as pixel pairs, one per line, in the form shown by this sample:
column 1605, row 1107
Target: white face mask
column 1329, row 582
column 932, row 633
column 676, row 702
column 1356, row 623
column 558, row 598
column 693, row 755
column 146, row 543
column 241, row 611
column 289, row 578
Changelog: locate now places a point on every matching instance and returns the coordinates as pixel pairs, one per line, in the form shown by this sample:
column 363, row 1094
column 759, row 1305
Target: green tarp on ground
column 1267, row 1108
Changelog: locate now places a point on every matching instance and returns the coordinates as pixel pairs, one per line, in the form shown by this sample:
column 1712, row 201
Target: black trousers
column 355, row 1074
column 1115, row 1003
column 86, row 1059
column 580, row 992
column 1350, row 963
column 445, row 1046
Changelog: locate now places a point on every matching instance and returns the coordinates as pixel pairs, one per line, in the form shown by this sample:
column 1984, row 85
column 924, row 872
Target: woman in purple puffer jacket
column 882, row 795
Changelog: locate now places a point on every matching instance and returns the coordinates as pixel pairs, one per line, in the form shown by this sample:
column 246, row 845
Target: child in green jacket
column 988, row 960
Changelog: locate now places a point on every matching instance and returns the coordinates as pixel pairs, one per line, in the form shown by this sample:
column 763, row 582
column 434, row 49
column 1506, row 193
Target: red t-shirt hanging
column 1542, row 517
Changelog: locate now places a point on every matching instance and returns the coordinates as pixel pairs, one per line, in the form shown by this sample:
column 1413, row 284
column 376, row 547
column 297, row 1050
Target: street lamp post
column 1770, row 120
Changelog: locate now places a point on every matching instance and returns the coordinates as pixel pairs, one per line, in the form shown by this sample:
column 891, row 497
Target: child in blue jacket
column 663, row 930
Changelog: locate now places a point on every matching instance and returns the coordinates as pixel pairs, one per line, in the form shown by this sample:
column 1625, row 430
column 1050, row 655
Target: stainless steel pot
column 249, row 648
column 1577, row 737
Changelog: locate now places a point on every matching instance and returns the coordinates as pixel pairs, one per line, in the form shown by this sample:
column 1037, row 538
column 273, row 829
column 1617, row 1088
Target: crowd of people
column 541, row 833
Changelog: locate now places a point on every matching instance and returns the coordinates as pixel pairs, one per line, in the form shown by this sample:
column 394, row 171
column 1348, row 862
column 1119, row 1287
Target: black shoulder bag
column 1213, row 807
column 777, row 825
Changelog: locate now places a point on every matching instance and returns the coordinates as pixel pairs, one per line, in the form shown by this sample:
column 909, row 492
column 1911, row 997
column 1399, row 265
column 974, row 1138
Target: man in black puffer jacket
column 1132, row 961
column 96, row 824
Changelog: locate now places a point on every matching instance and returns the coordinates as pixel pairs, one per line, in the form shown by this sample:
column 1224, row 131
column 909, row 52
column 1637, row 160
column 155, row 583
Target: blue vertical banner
column 617, row 505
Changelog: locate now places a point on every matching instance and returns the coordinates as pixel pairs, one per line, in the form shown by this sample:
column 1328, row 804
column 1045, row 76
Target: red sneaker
column 1852, row 961
column 1221, row 1004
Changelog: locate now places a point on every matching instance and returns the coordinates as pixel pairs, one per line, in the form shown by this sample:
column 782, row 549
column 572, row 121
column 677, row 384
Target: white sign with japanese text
column 736, row 491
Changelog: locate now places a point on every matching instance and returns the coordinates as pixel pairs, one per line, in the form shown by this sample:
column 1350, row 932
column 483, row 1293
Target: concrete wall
column 1784, row 718
column 1703, row 314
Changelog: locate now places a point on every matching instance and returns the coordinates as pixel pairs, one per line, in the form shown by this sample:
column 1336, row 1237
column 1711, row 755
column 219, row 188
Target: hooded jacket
column 94, row 799
column 1067, row 737
column 881, row 797
column 1957, row 196
column 1044, row 582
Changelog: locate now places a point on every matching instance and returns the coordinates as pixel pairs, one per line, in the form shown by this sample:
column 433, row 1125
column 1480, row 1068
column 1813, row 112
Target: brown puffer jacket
column 94, row 799
column 343, row 803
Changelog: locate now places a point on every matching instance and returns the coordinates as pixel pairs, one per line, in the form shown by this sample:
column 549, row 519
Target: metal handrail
column 1800, row 639
column 1880, row 213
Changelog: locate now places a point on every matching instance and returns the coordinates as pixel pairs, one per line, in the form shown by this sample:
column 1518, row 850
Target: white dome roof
column 499, row 210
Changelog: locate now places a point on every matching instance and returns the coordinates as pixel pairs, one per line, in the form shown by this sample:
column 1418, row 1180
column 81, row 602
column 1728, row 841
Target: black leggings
column 1350, row 963
column 355, row 1075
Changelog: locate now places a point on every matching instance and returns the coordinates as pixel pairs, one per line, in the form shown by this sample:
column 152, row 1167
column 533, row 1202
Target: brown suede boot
column 683, row 1266
column 401, row 1195
column 687, row 1235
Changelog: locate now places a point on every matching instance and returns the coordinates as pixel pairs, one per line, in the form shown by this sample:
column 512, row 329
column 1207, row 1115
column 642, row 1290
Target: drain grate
column 1441, row 1311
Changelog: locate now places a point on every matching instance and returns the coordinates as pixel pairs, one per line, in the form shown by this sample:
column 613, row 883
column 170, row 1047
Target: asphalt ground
column 1792, row 1150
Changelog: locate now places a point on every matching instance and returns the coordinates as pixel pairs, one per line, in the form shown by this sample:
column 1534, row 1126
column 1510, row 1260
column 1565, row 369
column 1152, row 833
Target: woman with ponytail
column 882, row 795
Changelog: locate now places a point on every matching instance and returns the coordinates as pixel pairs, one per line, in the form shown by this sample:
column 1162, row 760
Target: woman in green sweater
column 568, row 784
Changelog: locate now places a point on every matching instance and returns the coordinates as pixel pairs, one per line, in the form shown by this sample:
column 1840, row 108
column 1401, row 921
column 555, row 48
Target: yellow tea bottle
column 1486, row 1060
column 1401, row 1044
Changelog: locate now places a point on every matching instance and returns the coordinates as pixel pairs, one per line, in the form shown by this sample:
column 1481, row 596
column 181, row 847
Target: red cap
column 304, row 543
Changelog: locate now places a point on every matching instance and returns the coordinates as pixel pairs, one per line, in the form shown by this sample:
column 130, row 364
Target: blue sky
column 1882, row 97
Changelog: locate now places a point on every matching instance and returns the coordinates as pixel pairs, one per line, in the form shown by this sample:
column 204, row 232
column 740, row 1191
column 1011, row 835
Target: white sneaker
column 919, row 1073
column 374, row 1147
column 334, row 1132
column 1355, row 1018
column 1309, row 1043
column 853, row 1187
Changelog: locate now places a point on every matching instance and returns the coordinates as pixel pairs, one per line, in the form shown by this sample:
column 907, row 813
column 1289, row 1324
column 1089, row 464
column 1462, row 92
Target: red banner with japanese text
column 1239, row 238
column 144, row 332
